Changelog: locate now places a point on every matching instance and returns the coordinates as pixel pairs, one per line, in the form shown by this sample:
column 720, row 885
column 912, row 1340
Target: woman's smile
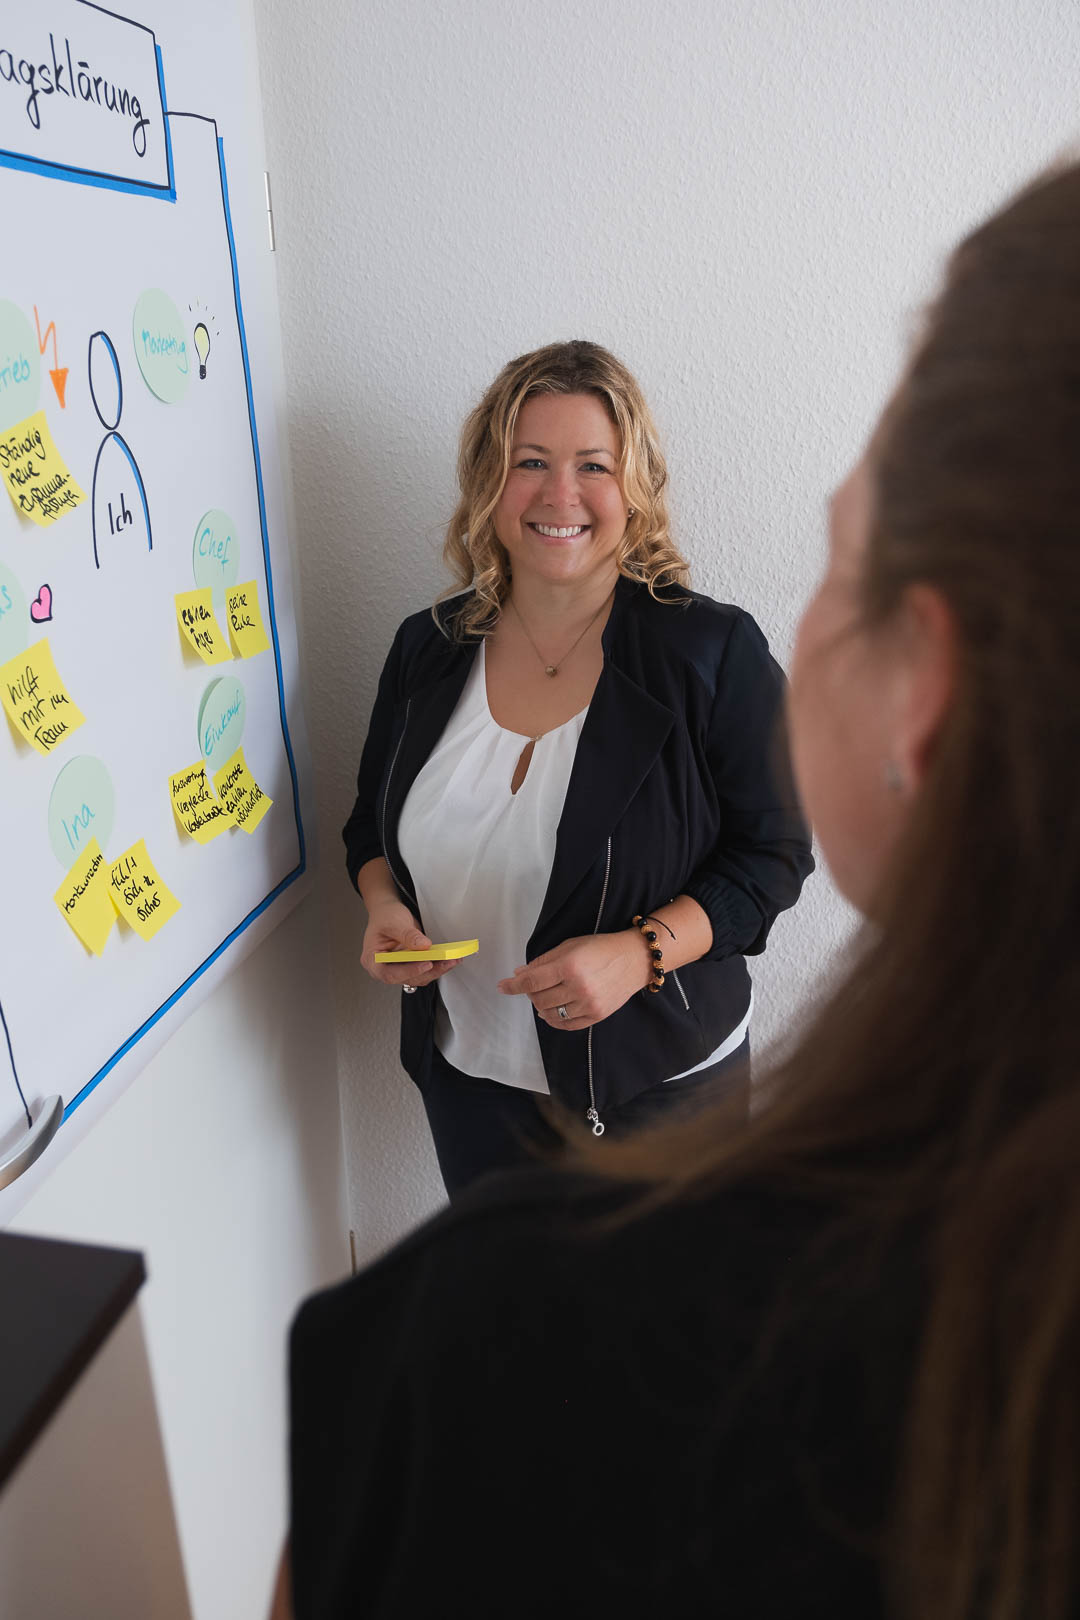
column 559, row 536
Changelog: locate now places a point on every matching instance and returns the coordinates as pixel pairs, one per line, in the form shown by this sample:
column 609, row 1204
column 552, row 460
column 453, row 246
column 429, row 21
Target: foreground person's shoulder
column 598, row 1246
column 504, row 1218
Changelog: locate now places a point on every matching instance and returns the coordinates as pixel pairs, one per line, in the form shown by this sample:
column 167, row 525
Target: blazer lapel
column 623, row 733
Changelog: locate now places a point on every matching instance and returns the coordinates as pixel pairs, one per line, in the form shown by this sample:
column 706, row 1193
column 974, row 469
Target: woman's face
column 842, row 703
column 562, row 514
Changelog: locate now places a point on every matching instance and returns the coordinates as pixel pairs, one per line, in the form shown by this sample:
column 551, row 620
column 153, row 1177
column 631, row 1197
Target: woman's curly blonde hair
column 473, row 551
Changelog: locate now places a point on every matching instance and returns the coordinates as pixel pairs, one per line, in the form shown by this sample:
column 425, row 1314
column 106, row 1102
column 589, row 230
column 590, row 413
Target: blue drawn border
column 86, row 177
column 93, row 177
column 298, row 871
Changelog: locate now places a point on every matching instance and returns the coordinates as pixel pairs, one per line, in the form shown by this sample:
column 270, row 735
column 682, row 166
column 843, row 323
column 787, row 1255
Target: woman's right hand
column 392, row 927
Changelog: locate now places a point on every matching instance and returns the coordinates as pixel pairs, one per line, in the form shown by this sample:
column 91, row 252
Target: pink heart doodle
column 41, row 606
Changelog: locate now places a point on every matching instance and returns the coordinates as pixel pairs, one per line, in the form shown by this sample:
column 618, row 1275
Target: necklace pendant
column 550, row 669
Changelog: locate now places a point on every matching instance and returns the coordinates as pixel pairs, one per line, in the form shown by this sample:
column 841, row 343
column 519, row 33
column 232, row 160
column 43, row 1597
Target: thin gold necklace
column 553, row 669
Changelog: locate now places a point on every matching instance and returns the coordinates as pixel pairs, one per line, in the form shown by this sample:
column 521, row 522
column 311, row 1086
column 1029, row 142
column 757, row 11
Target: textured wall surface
column 748, row 202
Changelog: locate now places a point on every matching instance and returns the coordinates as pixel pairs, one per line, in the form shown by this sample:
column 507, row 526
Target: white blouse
column 481, row 857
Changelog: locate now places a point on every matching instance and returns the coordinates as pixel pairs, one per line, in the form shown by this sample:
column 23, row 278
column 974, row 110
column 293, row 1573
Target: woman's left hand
column 590, row 978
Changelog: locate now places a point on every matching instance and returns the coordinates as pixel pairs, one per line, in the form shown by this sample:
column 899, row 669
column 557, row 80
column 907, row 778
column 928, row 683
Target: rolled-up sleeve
column 762, row 857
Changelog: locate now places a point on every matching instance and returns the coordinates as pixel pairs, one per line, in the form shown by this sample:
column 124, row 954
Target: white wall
column 746, row 199
column 221, row 1163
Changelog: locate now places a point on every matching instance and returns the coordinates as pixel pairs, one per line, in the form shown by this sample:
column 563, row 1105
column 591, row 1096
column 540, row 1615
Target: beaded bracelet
column 657, row 955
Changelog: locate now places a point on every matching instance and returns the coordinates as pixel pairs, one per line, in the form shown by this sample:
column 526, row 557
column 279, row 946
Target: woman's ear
column 924, row 681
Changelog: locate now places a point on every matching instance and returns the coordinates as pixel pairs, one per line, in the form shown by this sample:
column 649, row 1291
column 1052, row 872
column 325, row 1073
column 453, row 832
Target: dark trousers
column 479, row 1125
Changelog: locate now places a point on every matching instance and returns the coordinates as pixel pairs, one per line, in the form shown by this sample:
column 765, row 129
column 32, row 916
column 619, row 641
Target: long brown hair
column 473, row 551
column 938, row 1086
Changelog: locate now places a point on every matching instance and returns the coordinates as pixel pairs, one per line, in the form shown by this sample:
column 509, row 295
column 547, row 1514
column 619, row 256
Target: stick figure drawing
column 118, row 498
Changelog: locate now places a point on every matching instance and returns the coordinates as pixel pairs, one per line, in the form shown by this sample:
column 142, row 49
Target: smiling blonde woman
column 577, row 761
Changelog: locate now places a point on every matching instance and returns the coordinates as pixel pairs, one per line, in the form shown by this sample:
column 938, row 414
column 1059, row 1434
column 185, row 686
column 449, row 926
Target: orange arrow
column 60, row 374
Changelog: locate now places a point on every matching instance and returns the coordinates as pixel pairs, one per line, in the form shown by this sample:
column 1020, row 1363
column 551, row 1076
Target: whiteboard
column 123, row 320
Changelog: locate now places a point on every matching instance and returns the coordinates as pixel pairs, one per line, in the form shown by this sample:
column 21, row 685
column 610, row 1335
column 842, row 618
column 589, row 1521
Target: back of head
column 977, row 474
column 937, row 1087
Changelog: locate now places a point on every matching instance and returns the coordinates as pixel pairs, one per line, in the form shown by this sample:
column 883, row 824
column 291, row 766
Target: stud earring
column 893, row 776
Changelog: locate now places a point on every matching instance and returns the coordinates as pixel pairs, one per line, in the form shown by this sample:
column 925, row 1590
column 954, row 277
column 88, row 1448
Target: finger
column 415, row 941
column 417, row 974
column 406, row 972
column 546, row 1000
column 532, row 979
column 553, row 1021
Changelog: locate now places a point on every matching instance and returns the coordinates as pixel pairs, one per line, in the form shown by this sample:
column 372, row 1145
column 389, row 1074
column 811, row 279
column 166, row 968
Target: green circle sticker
column 215, row 555
column 20, row 367
column 221, row 721
column 81, row 808
column 15, row 623
column 161, row 345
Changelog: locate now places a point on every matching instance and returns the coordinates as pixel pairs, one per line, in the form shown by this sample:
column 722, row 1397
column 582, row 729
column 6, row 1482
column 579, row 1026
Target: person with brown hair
column 575, row 760
column 828, row 1364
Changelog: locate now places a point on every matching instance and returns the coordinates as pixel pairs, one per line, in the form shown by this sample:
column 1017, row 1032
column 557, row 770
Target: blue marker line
column 61, row 171
column 133, row 1040
column 138, row 484
column 262, row 507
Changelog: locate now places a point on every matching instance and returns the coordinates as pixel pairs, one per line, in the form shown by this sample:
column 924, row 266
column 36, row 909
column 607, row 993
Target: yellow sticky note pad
column 195, row 616
column 240, row 793
column 34, row 473
column 245, row 620
column 452, row 951
column 84, row 901
column 138, row 893
column 200, row 814
column 36, row 700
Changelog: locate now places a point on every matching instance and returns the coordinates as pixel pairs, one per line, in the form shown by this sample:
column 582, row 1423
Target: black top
column 680, row 785
column 525, row 1410
column 59, row 1303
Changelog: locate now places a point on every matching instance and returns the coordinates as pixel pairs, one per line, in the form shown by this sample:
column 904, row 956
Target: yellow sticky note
column 34, row 473
column 195, row 616
column 245, row 620
column 240, row 793
column 36, row 700
column 138, row 893
column 84, row 901
column 200, row 814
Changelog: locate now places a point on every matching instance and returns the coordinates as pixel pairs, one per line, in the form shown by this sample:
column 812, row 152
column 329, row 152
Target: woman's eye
column 531, row 464
column 594, row 466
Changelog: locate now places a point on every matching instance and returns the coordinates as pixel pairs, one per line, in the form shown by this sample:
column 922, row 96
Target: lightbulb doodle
column 201, row 334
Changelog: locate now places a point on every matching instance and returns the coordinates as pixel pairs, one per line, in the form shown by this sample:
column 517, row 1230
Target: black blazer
column 532, row 1409
column 680, row 785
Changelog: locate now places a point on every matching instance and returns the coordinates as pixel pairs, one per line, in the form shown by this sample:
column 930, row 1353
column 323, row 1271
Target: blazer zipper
column 386, row 795
column 682, row 992
column 591, row 1113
